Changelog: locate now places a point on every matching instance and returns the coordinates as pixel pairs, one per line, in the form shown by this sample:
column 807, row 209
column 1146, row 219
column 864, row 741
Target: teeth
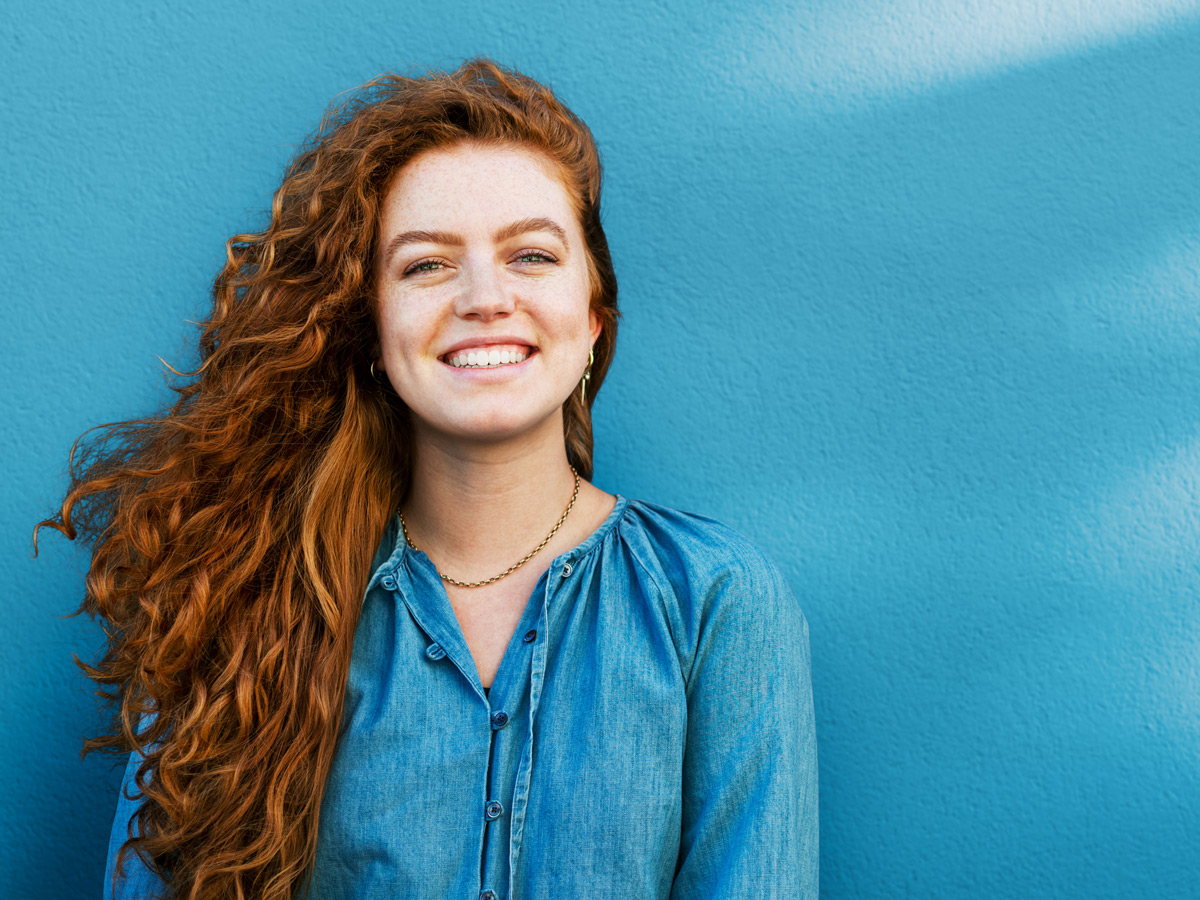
column 485, row 359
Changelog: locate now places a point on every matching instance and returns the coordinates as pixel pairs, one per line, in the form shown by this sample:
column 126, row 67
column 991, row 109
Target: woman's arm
column 136, row 881
column 749, row 826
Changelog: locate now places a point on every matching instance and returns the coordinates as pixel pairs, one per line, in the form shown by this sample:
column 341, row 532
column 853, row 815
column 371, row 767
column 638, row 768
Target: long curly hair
column 232, row 534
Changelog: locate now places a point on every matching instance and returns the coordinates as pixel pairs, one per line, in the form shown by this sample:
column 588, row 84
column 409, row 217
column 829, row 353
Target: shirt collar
column 393, row 538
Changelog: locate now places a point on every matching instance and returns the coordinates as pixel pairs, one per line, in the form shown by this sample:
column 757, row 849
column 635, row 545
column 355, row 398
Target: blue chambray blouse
column 649, row 733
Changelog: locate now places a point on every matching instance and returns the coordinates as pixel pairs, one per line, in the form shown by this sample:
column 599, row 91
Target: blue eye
column 425, row 265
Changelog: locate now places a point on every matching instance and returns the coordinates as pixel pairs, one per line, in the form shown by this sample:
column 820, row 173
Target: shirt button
column 567, row 570
column 493, row 810
column 388, row 582
column 530, row 635
column 435, row 651
column 487, row 895
column 500, row 719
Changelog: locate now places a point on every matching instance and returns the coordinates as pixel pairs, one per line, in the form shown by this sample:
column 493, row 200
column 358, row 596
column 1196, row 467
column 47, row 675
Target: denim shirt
column 649, row 733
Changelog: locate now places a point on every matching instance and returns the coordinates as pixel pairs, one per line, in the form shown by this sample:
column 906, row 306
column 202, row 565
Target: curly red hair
column 233, row 533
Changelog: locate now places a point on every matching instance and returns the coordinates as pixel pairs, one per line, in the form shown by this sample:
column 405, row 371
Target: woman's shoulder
column 692, row 550
column 715, row 584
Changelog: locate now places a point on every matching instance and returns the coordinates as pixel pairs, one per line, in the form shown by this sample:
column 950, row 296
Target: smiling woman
column 372, row 630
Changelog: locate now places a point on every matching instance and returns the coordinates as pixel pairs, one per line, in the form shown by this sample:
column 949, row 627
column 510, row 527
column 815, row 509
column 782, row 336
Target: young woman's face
column 484, row 322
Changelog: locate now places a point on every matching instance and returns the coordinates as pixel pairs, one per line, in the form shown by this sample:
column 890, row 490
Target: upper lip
column 489, row 341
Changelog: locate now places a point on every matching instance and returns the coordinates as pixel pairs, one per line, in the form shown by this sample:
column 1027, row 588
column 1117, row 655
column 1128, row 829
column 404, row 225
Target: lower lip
column 491, row 373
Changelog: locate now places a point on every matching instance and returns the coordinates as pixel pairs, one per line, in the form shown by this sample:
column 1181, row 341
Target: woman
column 372, row 632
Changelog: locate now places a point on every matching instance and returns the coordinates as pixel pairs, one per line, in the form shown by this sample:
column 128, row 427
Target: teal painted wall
column 911, row 296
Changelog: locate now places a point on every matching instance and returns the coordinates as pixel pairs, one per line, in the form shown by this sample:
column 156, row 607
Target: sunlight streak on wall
column 859, row 51
column 1148, row 526
column 1139, row 306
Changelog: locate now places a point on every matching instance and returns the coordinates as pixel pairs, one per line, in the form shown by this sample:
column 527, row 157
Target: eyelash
column 540, row 254
column 416, row 267
column 541, row 257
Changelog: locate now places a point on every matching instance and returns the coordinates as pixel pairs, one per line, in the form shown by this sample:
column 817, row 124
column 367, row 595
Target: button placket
column 520, row 799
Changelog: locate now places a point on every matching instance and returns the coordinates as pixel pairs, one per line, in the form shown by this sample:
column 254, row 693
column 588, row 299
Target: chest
column 488, row 616
column 596, row 719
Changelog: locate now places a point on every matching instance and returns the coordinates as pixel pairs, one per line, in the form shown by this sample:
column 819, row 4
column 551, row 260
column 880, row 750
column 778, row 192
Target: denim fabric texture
column 649, row 733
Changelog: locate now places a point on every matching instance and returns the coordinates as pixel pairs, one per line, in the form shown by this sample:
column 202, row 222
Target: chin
column 498, row 427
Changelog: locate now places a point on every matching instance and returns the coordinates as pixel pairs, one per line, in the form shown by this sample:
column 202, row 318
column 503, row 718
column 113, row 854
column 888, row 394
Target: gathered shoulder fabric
column 649, row 732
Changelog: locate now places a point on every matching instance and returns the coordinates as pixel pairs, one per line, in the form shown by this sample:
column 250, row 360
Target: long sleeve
column 137, row 882
column 749, row 828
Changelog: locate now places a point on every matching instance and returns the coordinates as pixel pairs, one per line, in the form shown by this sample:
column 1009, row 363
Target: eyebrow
column 521, row 226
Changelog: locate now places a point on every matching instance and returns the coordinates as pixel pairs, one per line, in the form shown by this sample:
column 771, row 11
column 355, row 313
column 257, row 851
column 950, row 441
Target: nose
column 485, row 296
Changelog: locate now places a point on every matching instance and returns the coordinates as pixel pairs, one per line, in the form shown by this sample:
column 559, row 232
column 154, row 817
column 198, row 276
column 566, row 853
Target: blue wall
column 911, row 297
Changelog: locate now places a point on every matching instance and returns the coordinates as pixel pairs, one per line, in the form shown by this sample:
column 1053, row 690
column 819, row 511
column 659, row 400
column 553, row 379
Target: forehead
column 470, row 184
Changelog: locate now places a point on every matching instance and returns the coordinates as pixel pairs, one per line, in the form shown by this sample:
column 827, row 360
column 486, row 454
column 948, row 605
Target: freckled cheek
column 564, row 308
column 403, row 332
column 399, row 359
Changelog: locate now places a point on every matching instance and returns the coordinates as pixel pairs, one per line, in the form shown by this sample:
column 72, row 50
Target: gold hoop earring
column 375, row 375
column 587, row 376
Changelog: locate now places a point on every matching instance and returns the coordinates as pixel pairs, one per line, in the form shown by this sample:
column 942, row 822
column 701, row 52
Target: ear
column 594, row 325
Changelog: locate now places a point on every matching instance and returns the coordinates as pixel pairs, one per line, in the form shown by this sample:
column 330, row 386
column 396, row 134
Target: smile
column 489, row 356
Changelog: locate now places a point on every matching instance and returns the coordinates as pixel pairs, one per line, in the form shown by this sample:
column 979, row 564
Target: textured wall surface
column 911, row 297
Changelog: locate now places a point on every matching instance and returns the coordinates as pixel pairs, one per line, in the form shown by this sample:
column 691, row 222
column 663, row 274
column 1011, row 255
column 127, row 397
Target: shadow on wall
column 1013, row 752
column 980, row 310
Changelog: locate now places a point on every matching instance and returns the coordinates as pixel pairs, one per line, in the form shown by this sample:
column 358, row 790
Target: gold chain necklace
column 530, row 555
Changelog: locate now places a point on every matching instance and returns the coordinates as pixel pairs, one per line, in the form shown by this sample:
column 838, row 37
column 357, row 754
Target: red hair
column 233, row 533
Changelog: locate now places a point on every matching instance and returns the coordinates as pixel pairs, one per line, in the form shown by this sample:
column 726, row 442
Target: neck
column 478, row 509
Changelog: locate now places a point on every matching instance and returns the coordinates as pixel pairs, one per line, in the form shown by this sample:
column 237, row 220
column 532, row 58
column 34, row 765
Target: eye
column 535, row 257
column 425, row 265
